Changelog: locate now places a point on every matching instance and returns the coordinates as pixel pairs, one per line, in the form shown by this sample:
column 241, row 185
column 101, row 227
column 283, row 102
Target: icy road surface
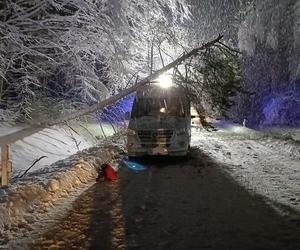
column 191, row 204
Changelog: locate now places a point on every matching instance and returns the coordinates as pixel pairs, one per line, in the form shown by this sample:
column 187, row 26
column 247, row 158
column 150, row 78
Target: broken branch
column 35, row 162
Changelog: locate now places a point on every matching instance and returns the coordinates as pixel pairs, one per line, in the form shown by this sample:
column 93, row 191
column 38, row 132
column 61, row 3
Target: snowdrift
column 28, row 199
column 56, row 143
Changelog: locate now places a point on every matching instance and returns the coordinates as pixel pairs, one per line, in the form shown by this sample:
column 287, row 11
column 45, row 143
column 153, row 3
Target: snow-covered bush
column 8, row 116
column 281, row 110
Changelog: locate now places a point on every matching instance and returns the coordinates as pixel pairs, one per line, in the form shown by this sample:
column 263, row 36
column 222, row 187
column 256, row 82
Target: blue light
column 134, row 166
column 282, row 109
column 116, row 113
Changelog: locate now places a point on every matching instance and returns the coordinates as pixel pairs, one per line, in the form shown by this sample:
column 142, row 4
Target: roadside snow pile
column 265, row 164
column 28, row 199
column 56, row 143
column 53, row 177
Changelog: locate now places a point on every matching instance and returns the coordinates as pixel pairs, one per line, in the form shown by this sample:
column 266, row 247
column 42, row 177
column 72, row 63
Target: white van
column 160, row 122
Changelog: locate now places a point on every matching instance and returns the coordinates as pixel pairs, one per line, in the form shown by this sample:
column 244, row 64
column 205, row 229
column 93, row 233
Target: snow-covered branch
column 89, row 47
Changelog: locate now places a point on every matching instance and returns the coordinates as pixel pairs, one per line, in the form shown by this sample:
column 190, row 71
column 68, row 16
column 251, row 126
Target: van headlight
column 131, row 132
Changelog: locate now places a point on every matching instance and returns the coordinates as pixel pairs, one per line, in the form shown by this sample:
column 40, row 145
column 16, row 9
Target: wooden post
column 6, row 165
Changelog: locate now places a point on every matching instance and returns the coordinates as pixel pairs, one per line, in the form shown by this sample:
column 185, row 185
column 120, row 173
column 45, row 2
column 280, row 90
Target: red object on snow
column 109, row 173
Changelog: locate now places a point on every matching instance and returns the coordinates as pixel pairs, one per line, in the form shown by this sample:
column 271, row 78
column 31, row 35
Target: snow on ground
column 54, row 178
column 266, row 163
column 32, row 200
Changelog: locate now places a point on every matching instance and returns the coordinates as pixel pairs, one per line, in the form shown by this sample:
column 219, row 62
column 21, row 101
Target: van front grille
column 156, row 137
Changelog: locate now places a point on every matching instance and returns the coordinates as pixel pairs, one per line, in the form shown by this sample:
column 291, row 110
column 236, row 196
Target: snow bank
column 28, row 199
column 56, row 143
column 52, row 178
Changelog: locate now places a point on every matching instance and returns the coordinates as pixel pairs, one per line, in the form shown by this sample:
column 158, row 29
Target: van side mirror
column 127, row 115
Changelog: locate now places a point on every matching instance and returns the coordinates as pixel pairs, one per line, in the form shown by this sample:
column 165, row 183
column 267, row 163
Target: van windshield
column 158, row 107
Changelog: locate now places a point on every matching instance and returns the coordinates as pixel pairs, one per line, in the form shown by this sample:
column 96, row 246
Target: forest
column 61, row 56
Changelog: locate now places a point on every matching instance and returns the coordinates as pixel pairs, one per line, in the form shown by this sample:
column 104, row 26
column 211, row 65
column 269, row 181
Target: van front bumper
column 159, row 150
column 160, row 142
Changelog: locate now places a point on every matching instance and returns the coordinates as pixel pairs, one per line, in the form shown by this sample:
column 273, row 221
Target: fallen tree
column 131, row 89
column 211, row 80
column 101, row 105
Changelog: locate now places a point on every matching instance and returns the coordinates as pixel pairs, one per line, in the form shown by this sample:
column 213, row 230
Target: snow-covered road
column 176, row 205
column 264, row 170
column 264, row 164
